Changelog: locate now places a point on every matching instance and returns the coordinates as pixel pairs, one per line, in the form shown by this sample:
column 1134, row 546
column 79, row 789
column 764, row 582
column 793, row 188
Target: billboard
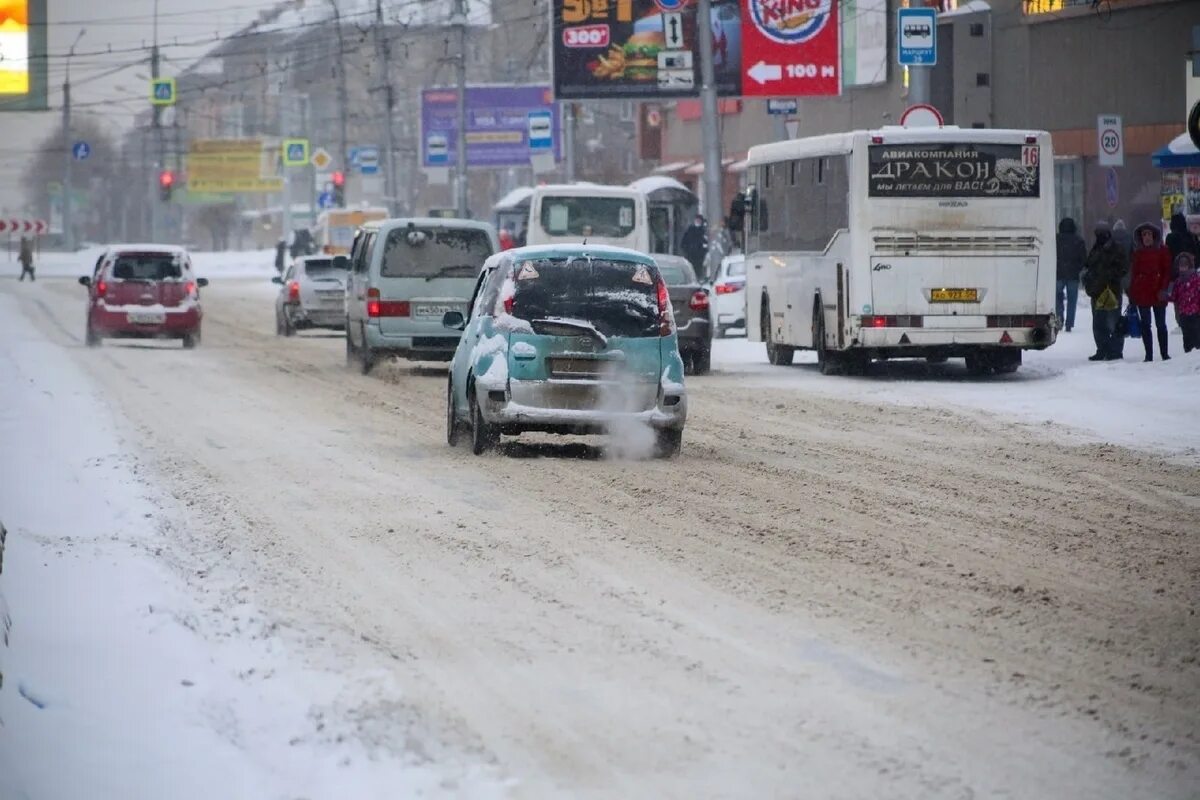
column 791, row 48
column 641, row 49
column 499, row 121
column 954, row 170
column 23, row 55
column 864, row 42
column 228, row 166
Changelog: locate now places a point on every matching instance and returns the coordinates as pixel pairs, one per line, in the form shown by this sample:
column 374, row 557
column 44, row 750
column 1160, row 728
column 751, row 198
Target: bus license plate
column 433, row 309
column 954, row 296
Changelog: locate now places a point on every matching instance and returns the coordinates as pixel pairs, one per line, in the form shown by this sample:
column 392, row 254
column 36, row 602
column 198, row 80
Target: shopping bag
column 1133, row 323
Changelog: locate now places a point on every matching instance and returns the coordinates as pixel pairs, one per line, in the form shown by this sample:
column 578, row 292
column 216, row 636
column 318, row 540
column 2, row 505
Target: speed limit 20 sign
column 1110, row 141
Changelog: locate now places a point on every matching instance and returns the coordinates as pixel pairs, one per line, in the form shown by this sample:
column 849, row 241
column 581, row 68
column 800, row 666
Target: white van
column 405, row 274
column 571, row 213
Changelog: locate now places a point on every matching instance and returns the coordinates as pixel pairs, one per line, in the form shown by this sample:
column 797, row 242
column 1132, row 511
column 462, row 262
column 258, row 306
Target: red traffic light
column 166, row 179
column 339, row 178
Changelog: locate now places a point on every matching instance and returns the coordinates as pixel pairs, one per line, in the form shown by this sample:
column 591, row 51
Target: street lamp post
column 68, row 234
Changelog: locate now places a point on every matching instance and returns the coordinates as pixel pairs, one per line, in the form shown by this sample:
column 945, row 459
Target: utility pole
column 155, row 202
column 568, row 123
column 68, row 151
column 460, row 158
column 344, row 155
column 708, row 98
column 919, row 89
column 383, row 50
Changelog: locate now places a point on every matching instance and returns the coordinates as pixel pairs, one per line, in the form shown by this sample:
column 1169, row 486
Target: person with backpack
column 1185, row 294
column 1104, row 272
column 1149, row 280
column 1072, row 253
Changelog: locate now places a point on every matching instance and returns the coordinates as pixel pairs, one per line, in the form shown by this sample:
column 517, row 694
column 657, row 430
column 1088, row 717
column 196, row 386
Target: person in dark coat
column 1105, row 271
column 281, row 249
column 1123, row 237
column 1150, row 276
column 1181, row 240
column 694, row 245
column 1072, row 253
column 25, row 256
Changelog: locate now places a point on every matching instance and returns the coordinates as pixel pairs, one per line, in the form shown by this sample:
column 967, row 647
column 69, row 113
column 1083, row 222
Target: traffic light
column 166, row 184
column 339, row 189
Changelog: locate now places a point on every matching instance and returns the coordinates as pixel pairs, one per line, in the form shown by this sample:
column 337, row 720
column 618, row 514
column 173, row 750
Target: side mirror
column 202, row 281
column 454, row 320
column 85, row 281
column 277, row 279
column 341, row 262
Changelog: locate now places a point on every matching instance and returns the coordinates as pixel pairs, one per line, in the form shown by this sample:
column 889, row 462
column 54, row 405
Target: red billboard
column 790, row 48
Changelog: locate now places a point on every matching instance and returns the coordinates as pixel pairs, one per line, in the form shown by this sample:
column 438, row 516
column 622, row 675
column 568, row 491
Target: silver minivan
column 405, row 275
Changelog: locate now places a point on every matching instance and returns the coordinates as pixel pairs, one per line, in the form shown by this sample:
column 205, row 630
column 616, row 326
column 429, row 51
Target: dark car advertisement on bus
column 954, row 170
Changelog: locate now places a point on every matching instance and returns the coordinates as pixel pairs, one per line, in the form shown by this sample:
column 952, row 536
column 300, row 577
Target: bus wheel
column 778, row 354
column 829, row 363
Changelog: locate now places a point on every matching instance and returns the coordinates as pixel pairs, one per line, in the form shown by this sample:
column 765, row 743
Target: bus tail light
column 1014, row 321
column 893, row 321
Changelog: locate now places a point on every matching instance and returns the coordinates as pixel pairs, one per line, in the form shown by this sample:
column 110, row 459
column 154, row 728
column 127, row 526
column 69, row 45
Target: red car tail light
column 699, row 301
column 190, row 289
column 665, row 327
column 294, row 291
column 372, row 303
column 101, row 288
column 394, row 308
column 729, row 288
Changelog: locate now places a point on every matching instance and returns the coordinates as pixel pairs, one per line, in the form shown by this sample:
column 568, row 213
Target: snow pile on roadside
column 214, row 266
column 1148, row 406
column 117, row 682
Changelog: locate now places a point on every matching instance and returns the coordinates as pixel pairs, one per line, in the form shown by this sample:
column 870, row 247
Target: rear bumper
column 115, row 321
column 695, row 334
column 952, row 341
column 302, row 317
column 415, row 347
column 581, row 406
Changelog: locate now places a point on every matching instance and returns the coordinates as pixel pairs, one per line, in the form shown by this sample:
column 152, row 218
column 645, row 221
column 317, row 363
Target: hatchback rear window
column 435, row 252
column 619, row 298
column 147, row 267
column 322, row 268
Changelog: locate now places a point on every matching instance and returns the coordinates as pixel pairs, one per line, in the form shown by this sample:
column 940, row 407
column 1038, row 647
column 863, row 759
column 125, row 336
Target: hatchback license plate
column 954, row 296
column 433, row 309
column 146, row 317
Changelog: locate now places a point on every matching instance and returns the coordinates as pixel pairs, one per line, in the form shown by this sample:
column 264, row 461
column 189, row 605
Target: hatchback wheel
column 668, row 443
column 190, row 340
column 484, row 436
column 91, row 338
column 453, row 428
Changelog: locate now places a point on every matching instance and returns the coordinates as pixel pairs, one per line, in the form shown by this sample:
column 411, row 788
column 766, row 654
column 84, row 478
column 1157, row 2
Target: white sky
column 119, row 25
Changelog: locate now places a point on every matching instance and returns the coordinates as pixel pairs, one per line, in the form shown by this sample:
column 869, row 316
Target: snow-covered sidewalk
column 117, row 682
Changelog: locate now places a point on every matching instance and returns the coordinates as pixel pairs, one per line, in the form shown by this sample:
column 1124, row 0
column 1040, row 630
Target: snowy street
column 245, row 571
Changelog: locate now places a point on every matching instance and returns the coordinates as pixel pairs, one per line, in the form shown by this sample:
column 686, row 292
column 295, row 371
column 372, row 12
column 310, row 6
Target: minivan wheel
column 190, row 340
column 366, row 359
column 668, row 443
column 778, row 354
column 453, row 428
column 484, row 436
column 91, row 338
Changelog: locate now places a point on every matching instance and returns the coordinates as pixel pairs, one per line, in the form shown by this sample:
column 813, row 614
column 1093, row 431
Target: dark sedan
column 693, row 318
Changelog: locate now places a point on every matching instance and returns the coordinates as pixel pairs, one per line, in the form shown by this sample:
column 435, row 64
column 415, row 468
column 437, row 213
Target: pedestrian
column 1181, row 240
column 25, row 256
column 1072, row 253
column 1123, row 237
column 1150, row 275
column 1185, row 294
column 694, row 244
column 506, row 238
column 1103, row 275
column 280, row 255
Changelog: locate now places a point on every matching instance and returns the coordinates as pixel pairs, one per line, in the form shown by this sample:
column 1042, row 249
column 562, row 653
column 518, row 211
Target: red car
column 144, row 292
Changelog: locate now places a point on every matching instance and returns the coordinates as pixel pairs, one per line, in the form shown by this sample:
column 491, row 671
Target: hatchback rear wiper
column 547, row 328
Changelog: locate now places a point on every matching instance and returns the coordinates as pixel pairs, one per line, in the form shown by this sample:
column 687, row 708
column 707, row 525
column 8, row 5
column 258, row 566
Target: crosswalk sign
column 295, row 152
column 162, row 92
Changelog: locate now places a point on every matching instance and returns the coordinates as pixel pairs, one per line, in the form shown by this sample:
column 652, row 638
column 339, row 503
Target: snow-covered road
column 893, row 596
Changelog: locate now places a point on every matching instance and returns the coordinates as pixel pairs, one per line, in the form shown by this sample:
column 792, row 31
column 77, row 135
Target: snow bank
column 1129, row 403
column 214, row 266
column 117, row 682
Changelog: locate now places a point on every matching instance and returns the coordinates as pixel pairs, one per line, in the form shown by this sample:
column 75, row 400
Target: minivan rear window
column 619, row 298
column 425, row 252
column 146, row 267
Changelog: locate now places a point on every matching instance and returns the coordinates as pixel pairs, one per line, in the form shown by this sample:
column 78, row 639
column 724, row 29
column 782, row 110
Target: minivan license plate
column 954, row 296
column 433, row 309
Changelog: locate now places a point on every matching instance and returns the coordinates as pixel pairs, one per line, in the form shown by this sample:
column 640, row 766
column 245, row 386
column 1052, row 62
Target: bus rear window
column 435, row 252
column 954, row 170
column 588, row 216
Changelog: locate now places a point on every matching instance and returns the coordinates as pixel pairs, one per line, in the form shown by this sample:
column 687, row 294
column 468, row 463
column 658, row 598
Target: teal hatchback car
column 568, row 339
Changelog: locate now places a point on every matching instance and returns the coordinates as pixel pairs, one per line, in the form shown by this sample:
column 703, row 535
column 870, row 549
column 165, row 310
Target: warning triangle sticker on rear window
column 642, row 275
column 528, row 272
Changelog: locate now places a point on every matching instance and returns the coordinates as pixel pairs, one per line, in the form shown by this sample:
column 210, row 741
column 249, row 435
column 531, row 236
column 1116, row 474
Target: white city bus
column 570, row 213
column 901, row 243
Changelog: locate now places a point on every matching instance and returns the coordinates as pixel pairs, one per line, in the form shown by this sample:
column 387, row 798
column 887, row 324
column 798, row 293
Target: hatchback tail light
column 729, row 288
column 101, row 288
column 294, row 291
column 190, row 289
column 699, row 301
column 665, row 326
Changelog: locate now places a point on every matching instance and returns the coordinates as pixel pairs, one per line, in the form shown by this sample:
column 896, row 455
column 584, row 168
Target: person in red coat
column 1150, row 275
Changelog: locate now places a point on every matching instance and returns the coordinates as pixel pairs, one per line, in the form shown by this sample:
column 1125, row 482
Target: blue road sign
column 916, row 37
column 162, row 91
column 367, row 160
column 786, row 106
column 437, row 150
column 325, row 200
column 541, row 130
column 81, row 150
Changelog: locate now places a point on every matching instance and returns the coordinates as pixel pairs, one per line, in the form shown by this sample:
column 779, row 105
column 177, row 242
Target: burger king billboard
column 641, row 49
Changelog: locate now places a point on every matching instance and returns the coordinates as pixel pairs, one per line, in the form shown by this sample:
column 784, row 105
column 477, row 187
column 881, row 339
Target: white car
column 729, row 294
column 312, row 294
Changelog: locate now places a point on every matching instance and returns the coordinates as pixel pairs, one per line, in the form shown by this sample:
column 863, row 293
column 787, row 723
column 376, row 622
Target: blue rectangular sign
column 916, row 37
column 498, row 125
column 541, row 131
column 782, row 106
